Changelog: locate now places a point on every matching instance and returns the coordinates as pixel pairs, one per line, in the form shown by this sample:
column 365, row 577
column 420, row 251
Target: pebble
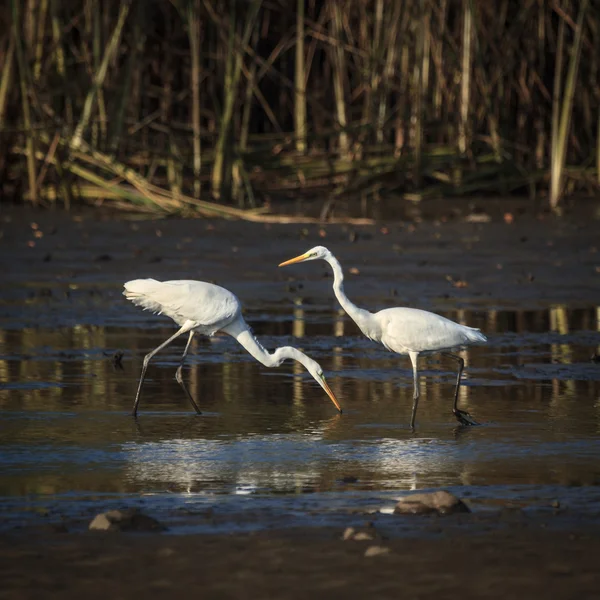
column 358, row 536
column 376, row 551
column 349, row 479
column 129, row 519
column 441, row 502
column 361, row 536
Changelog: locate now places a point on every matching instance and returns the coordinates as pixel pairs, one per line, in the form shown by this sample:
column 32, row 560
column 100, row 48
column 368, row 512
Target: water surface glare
column 270, row 441
column 65, row 423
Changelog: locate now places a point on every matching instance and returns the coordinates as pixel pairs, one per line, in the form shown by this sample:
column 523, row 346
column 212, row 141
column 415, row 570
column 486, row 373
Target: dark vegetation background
column 218, row 106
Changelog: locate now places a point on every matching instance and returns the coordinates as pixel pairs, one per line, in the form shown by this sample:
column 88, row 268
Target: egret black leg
column 147, row 359
column 414, row 356
column 463, row 417
column 179, row 378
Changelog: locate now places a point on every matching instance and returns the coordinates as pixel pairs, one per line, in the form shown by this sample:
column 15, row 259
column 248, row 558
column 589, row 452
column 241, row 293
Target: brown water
column 66, row 436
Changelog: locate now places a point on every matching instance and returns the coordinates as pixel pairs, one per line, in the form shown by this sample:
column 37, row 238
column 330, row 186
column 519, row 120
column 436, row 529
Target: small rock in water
column 349, row 479
column 376, row 551
column 117, row 360
column 362, row 536
column 101, row 523
column 129, row 519
column 478, row 218
column 358, row 536
column 441, row 502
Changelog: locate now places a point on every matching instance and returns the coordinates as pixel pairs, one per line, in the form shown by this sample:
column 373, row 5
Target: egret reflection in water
column 286, row 463
column 64, row 405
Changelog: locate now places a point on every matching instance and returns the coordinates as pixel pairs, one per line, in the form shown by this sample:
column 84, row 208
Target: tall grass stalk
column 59, row 57
column 39, row 42
column 300, row 82
column 233, row 71
column 99, row 125
column 374, row 66
column 562, row 124
column 6, row 78
column 338, row 72
column 99, row 76
column 24, row 80
column 465, row 78
column 195, row 33
column 598, row 149
column 131, row 65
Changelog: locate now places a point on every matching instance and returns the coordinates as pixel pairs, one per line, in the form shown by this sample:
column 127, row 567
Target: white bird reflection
column 238, row 465
column 290, row 463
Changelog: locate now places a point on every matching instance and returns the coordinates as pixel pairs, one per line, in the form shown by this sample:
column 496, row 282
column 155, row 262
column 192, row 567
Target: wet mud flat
column 447, row 260
column 536, row 277
column 457, row 556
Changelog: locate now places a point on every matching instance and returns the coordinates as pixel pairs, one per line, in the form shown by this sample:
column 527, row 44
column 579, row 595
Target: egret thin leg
column 179, row 378
column 206, row 308
column 414, row 356
column 463, row 417
column 400, row 329
column 186, row 327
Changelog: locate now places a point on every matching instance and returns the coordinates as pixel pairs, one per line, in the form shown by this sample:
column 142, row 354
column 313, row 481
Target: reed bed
column 214, row 107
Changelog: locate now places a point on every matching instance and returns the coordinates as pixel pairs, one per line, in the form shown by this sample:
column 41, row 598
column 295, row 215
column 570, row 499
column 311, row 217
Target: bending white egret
column 200, row 307
column 404, row 330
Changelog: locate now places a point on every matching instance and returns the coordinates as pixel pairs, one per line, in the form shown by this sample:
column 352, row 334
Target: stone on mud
column 441, row 502
column 361, row 536
column 128, row 519
column 376, row 551
column 368, row 535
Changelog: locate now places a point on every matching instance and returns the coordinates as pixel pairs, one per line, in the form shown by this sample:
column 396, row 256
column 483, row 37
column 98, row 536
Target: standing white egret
column 200, row 307
column 404, row 330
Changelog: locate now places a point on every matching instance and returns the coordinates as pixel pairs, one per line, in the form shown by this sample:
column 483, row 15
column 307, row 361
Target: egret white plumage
column 404, row 330
column 205, row 308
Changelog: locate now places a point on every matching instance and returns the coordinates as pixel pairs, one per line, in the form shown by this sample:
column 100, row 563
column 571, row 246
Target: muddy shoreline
column 505, row 555
column 528, row 261
column 64, row 271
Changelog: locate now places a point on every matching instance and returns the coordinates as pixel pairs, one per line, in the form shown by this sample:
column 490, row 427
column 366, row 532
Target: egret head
column 313, row 254
column 314, row 368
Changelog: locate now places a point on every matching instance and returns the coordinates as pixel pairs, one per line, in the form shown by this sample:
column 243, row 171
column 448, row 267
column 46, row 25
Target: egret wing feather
column 406, row 330
column 209, row 305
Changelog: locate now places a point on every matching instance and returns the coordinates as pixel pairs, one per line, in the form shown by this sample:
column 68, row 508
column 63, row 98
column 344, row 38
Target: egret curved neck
column 363, row 318
column 243, row 334
column 240, row 330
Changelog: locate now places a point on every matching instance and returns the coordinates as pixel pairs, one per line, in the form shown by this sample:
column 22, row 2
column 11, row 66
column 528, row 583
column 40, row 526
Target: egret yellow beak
column 330, row 394
column 295, row 260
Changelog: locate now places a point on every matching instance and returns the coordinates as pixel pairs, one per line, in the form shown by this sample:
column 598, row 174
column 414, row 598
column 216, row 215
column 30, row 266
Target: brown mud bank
column 62, row 274
column 464, row 556
column 436, row 260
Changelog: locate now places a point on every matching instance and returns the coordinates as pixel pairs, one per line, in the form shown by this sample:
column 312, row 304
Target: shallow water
column 66, row 434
